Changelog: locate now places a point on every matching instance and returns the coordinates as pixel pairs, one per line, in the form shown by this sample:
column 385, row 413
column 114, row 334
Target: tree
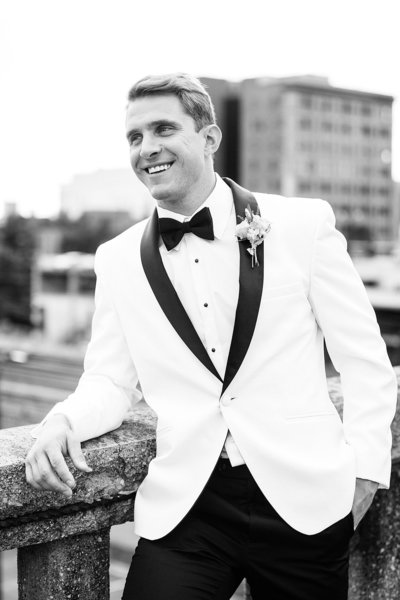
column 16, row 257
column 92, row 229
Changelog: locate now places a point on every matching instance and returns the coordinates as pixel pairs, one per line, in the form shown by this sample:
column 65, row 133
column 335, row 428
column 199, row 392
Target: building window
column 326, row 126
column 326, row 187
column 366, row 130
column 346, row 107
column 305, row 124
column 53, row 282
column 306, row 101
column 346, row 128
column 366, row 110
column 87, row 283
column 365, row 190
column 304, row 187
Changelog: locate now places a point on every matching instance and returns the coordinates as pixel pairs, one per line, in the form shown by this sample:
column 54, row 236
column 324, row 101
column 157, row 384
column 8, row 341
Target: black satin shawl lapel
column 250, row 289
column 166, row 295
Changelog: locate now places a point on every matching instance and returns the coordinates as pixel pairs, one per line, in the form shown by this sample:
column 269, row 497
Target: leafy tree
column 16, row 257
column 91, row 229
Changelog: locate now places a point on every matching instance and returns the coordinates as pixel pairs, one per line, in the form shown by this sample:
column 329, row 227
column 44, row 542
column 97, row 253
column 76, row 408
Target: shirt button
column 212, row 349
column 205, row 304
column 196, row 260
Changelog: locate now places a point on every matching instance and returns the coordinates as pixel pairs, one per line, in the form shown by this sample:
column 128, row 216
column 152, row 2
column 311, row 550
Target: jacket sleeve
column 358, row 352
column 108, row 387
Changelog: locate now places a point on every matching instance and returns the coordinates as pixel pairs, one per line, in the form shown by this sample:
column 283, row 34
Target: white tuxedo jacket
column 273, row 398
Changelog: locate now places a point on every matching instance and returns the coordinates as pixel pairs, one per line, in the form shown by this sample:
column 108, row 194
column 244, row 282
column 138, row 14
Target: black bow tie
column 172, row 231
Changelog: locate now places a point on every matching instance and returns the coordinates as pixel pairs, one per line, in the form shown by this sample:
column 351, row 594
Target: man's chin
column 160, row 192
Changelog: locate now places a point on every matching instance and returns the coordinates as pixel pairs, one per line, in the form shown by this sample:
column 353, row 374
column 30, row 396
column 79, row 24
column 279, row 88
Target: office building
column 300, row 136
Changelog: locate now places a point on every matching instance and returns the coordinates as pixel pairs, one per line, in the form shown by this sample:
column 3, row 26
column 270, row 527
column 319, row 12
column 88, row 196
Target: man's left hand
column 363, row 497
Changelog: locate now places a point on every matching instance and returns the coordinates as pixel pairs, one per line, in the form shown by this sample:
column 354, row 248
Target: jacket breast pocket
column 313, row 415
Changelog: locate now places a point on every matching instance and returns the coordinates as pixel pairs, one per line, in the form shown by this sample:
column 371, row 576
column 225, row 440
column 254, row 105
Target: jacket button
column 226, row 401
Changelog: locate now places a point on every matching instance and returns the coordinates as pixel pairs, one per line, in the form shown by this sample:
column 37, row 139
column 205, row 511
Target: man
column 255, row 475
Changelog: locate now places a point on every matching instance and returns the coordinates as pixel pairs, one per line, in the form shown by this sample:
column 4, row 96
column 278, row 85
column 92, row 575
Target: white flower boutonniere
column 254, row 229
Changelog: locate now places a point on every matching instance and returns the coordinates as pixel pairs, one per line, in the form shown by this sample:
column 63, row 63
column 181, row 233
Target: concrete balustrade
column 64, row 544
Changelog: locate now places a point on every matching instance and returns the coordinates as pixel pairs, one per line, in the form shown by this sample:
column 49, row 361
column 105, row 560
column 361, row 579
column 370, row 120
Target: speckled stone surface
column 63, row 526
column 73, row 570
column 375, row 548
column 119, row 461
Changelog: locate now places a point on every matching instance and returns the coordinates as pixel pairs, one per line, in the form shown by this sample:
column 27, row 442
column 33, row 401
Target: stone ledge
column 119, row 460
column 64, row 526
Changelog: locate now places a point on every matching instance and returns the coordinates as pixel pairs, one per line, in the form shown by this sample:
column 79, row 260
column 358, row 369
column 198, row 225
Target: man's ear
column 213, row 137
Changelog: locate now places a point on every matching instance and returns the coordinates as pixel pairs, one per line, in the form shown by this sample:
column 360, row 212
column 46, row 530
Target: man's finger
column 29, row 476
column 76, row 454
column 44, row 475
column 59, row 465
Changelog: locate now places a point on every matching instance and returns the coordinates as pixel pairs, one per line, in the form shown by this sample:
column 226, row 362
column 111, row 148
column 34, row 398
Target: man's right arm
column 104, row 395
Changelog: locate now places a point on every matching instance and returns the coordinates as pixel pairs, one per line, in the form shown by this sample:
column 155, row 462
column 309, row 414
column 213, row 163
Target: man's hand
column 45, row 466
column 363, row 497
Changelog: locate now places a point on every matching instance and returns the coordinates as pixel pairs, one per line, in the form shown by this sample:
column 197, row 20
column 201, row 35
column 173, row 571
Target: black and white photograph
column 199, row 300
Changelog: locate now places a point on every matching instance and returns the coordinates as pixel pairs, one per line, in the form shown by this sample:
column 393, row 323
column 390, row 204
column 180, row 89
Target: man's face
column 166, row 152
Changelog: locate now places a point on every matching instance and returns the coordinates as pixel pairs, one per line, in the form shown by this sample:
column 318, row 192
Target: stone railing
column 63, row 545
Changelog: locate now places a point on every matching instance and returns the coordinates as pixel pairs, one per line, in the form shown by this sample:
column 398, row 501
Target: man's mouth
column 158, row 168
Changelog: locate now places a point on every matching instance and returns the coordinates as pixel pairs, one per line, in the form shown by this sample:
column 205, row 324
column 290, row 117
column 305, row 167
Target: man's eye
column 165, row 129
column 134, row 139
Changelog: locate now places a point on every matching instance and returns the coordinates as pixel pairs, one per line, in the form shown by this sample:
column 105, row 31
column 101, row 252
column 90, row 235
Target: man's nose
column 150, row 146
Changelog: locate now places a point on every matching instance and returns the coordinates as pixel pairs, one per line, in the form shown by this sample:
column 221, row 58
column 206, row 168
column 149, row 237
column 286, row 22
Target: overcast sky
column 66, row 66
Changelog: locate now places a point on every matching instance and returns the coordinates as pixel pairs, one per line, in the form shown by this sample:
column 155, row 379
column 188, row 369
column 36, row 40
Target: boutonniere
column 254, row 229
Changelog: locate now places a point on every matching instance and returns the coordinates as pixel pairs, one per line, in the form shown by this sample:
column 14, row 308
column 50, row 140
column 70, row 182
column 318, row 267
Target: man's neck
column 188, row 205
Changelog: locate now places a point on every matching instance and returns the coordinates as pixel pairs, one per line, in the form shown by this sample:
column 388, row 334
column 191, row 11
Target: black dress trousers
column 233, row 532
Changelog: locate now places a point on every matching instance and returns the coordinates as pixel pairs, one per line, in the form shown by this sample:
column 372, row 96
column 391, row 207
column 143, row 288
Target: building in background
column 106, row 191
column 300, row 136
column 62, row 296
column 396, row 218
column 226, row 100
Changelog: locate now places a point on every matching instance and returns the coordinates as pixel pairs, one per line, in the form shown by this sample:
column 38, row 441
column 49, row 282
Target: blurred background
column 306, row 93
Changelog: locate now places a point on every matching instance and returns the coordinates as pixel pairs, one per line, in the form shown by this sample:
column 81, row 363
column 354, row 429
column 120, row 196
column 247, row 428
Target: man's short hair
column 191, row 92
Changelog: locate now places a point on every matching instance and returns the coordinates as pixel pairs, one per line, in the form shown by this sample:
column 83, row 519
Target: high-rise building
column 396, row 218
column 300, row 136
column 226, row 100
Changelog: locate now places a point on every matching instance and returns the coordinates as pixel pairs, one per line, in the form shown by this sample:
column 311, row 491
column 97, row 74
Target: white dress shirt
column 205, row 275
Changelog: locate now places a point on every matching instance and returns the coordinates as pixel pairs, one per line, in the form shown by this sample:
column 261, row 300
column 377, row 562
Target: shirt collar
column 220, row 203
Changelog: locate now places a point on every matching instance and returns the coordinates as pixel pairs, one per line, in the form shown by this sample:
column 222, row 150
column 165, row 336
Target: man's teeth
column 159, row 168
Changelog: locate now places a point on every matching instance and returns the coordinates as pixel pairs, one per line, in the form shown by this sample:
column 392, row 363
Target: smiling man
column 255, row 475
column 169, row 152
